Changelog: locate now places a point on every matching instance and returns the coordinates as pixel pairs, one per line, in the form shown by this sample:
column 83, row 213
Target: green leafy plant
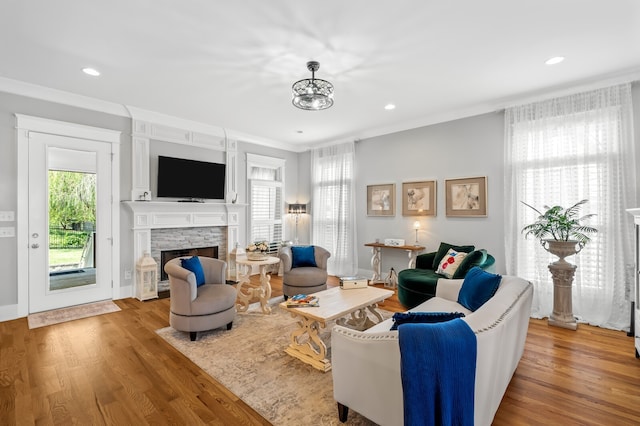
column 560, row 224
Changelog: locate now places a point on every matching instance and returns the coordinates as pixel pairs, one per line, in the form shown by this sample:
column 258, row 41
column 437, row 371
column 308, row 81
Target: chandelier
column 312, row 94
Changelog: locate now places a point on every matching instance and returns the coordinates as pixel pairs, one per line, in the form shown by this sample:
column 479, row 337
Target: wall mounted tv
column 190, row 179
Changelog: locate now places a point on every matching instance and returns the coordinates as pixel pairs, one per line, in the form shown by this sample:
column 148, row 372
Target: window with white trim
column 265, row 176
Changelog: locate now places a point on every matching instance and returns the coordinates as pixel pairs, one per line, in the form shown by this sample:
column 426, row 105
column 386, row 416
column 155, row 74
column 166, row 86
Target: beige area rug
column 42, row 319
column 250, row 361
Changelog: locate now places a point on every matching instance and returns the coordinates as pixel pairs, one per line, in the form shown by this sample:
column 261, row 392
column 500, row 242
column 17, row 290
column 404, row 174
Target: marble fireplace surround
column 220, row 220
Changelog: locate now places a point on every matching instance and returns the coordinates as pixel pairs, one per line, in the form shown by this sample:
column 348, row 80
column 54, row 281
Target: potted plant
column 561, row 233
column 257, row 250
column 560, row 224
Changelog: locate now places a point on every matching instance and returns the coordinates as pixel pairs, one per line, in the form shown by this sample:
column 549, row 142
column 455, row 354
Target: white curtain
column 333, row 213
column 558, row 152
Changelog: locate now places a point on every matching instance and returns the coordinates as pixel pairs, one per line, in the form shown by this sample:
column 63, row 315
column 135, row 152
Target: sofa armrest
column 449, row 289
column 366, row 373
column 425, row 261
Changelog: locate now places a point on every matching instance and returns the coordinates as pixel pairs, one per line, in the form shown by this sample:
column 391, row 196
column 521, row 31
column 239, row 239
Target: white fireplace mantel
column 165, row 214
column 148, row 215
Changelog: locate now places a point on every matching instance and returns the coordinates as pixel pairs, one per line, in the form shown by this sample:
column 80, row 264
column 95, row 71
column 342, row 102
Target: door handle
column 35, row 245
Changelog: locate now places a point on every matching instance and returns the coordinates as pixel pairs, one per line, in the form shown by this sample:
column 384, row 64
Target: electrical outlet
column 7, row 216
column 7, row 232
column 127, row 274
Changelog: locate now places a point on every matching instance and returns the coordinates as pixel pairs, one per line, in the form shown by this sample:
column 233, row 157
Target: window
column 334, row 223
column 266, row 188
column 559, row 152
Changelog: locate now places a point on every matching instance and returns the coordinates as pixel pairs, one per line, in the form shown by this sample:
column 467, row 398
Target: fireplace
column 161, row 226
column 167, row 255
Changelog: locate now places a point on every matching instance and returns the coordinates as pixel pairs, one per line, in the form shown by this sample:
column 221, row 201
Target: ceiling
column 231, row 64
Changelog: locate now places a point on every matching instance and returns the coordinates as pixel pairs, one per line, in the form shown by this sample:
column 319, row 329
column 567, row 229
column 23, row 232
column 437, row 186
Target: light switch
column 7, row 232
column 7, row 216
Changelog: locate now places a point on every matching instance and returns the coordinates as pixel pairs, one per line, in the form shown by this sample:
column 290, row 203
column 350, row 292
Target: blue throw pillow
column 423, row 317
column 303, row 256
column 194, row 266
column 478, row 287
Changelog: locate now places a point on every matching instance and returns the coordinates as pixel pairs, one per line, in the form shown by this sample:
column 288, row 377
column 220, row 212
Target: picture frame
column 466, row 197
column 419, row 198
column 381, row 200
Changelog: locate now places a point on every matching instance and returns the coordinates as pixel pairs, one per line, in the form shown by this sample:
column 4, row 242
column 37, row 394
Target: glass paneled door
column 70, row 249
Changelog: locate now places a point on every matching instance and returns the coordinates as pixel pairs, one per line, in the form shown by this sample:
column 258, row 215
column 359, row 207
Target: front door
column 70, row 229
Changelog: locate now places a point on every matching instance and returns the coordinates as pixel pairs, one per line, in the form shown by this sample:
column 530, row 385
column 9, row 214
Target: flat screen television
column 190, row 179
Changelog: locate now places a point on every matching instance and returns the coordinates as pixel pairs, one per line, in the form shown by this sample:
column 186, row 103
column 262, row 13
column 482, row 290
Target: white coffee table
column 335, row 303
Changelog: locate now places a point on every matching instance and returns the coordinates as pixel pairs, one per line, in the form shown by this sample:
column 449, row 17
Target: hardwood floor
column 114, row 369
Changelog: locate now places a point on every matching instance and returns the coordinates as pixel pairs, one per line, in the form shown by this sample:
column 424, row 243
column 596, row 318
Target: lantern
column 232, row 270
column 146, row 278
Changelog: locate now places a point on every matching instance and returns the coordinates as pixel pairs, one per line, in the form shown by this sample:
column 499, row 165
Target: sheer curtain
column 334, row 223
column 558, row 152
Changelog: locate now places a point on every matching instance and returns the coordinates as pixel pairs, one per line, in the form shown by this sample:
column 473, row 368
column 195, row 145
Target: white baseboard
column 9, row 312
column 125, row 292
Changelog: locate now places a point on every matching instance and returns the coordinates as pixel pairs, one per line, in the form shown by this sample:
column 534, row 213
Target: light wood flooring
column 113, row 369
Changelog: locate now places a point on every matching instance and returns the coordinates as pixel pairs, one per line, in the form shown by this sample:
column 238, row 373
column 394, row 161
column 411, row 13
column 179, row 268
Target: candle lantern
column 232, row 269
column 146, row 278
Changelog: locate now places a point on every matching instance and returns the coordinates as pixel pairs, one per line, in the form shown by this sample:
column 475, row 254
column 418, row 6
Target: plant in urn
column 560, row 233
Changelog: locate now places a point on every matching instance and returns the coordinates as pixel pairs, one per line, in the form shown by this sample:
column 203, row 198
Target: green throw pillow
column 475, row 258
column 444, row 249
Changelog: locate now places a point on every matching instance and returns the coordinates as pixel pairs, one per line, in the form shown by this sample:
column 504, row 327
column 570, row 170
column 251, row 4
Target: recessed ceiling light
column 389, row 107
column 91, row 71
column 554, row 60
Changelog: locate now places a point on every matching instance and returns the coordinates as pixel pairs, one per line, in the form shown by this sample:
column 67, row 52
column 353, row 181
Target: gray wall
column 468, row 147
column 11, row 104
column 463, row 148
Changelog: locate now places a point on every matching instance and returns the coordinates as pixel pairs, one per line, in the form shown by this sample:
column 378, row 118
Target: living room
column 453, row 146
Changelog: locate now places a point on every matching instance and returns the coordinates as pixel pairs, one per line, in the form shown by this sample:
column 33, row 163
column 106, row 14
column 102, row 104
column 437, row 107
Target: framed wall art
column 381, row 200
column 419, row 198
column 466, row 197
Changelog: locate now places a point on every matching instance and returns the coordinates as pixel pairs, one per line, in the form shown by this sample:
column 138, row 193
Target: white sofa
column 366, row 365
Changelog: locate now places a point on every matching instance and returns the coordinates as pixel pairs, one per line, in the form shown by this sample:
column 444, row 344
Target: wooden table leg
column 245, row 292
column 264, row 292
column 360, row 320
column 375, row 264
column 306, row 344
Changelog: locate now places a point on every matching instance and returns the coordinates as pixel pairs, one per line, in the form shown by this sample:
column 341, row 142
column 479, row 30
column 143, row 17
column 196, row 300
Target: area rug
column 42, row 319
column 250, row 361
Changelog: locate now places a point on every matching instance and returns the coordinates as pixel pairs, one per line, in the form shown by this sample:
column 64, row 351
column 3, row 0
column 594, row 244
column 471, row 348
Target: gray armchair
column 305, row 279
column 207, row 307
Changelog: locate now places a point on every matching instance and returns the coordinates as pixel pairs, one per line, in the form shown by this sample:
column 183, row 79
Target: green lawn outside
column 64, row 256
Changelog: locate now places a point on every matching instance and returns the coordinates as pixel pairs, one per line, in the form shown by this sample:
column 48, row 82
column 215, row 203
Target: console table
column 376, row 257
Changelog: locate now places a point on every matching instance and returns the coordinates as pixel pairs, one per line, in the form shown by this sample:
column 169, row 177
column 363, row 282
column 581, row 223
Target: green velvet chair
column 419, row 284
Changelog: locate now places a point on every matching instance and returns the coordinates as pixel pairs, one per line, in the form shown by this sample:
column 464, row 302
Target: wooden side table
column 376, row 257
column 247, row 291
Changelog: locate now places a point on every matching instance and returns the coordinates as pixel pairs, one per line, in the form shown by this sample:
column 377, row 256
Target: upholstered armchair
column 304, row 269
column 200, row 307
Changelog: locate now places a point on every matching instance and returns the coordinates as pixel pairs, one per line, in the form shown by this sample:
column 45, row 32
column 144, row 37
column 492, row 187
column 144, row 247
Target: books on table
column 302, row 301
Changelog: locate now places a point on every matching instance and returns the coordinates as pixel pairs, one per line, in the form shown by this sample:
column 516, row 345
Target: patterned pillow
column 450, row 262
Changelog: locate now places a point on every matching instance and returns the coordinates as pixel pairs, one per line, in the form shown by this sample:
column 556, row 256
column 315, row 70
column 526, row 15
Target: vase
column 256, row 255
column 562, row 273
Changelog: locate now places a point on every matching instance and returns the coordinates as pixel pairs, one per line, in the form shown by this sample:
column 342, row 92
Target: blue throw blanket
column 438, row 370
